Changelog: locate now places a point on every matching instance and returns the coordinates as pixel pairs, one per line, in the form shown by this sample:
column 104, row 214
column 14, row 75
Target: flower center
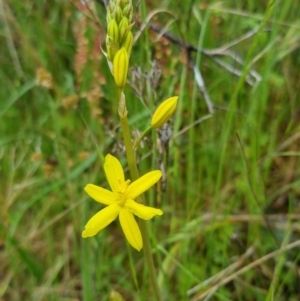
column 122, row 191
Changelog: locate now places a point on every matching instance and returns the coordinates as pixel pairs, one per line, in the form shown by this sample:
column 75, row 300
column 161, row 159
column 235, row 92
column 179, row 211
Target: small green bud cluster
column 119, row 24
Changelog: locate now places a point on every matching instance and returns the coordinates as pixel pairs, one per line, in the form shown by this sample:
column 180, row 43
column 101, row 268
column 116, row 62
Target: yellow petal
column 100, row 194
column 101, row 219
column 114, row 172
column 142, row 184
column 131, row 229
column 142, row 211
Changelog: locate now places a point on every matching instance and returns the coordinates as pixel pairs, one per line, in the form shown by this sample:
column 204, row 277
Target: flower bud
column 111, row 7
column 123, row 3
column 164, row 112
column 127, row 44
column 118, row 14
column 111, row 47
column 120, row 67
column 113, row 30
column 127, row 11
column 123, row 29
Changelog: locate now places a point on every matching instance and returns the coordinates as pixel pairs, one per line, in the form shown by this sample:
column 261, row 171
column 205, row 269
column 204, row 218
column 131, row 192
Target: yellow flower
column 164, row 112
column 120, row 202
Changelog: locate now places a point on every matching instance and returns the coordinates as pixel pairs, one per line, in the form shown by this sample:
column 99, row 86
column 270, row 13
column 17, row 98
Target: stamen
column 122, row 190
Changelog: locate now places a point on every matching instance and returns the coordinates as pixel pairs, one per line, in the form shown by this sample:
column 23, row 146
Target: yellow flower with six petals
column 120, row 202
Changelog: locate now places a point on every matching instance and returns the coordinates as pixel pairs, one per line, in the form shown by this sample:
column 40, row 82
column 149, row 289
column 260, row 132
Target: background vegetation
column 231, row 193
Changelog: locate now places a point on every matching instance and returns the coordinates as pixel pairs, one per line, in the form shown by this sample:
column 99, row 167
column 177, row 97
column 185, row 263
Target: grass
column 230, row 229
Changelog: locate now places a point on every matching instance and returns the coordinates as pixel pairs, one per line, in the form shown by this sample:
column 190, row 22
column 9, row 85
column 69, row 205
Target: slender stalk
column 137, row 142
column 129, row 148
column 134, row 175
column 149, row 259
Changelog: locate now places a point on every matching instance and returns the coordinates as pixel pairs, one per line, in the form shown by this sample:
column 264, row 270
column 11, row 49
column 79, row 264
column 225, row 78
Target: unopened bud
column 111, row 47
column 127, row 44
column 111, row 7
column 164, row 112
column 123, row 2
column 113, row 30
column 120, row 67
column 123, row 29
column 127, row 10
column 118, row 14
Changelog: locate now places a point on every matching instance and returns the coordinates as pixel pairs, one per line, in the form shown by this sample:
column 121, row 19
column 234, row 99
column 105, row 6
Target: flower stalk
column 140, row 138
column 143, row 226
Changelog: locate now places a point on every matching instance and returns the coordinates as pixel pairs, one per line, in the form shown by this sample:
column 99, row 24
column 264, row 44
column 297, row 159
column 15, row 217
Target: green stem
column 137, row 142
column 129, row 148
column 149, row 259
column 134, row 176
